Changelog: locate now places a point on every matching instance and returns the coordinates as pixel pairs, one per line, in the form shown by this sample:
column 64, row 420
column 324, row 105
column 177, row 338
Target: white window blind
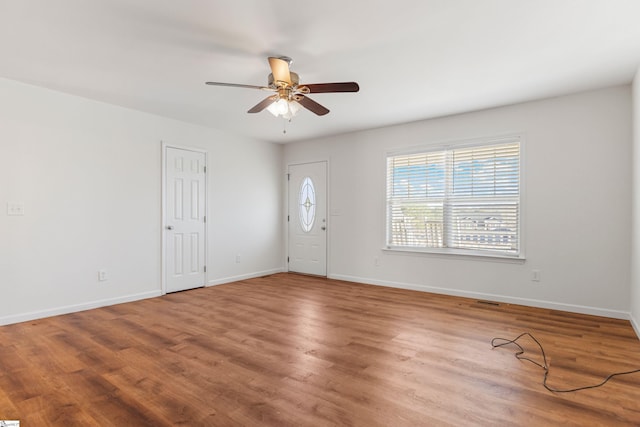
column 465, row 198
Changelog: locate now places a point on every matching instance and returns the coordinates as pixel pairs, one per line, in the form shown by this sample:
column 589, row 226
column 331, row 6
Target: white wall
column 635, row 252
column 89, row 175
column 577, row 205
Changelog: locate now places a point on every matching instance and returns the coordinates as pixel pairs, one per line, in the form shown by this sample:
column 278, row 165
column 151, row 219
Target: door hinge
column 288, row 218
column 288, row 177
column 287, row 259
column 205, row 169
column 205, row 268
column 204, row 218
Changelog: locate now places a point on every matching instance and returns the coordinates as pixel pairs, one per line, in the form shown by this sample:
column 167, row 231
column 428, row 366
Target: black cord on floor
column 520, row 355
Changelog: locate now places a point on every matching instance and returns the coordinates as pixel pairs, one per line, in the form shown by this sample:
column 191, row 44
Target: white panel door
column 185, row 196
column 308, row 218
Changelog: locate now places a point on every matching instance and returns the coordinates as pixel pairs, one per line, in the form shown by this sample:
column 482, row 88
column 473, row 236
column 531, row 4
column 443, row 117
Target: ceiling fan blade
column 332, row 87
column 280, row 70
column 238, row 85
column 263, row 104
column 311, row 105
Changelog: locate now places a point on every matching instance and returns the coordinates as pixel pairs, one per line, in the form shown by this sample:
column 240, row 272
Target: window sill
column 456, row 253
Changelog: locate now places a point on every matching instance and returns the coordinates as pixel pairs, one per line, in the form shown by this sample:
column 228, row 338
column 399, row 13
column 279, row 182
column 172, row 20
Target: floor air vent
column 497, row 304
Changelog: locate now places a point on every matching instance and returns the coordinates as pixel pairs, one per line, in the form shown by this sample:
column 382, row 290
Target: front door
column 184, row 228
column 308, row 218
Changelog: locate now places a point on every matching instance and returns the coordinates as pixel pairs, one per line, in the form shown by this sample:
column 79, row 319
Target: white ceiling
column 413, row 59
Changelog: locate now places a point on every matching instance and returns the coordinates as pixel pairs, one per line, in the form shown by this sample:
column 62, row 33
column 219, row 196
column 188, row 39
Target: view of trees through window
column 461, row 198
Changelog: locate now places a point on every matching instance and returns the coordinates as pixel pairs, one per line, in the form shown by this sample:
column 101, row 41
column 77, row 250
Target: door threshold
column 307, row 274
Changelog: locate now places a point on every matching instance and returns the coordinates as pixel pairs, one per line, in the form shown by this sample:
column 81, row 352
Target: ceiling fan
column 289, row 93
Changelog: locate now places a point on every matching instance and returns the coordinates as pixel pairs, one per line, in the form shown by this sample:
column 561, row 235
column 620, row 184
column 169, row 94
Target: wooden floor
column 290, row 350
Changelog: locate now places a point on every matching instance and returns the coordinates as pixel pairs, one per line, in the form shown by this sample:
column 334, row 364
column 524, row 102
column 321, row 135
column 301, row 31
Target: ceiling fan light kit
column 285, row 108
column 290, row 95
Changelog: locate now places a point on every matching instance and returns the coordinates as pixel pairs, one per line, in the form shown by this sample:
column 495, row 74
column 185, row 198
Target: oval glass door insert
column 307, row 204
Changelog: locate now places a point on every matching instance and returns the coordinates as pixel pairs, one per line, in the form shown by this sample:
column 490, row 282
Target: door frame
column 287, row 213
column 163, row 207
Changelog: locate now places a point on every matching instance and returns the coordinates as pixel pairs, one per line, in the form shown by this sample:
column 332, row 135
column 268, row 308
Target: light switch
column 15, row 208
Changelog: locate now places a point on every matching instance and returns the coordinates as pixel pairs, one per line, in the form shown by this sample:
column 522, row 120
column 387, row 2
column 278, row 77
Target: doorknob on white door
column 323, row 228
column 169, row 227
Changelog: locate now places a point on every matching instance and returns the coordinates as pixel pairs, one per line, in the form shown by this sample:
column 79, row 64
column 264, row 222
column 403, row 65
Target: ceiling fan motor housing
column 295, row 80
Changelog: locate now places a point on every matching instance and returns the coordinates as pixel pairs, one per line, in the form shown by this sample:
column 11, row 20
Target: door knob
column 323, row 228
column 169, row 227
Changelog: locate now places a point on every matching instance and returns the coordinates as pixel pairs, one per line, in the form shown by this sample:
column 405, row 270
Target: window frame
column 450, row 146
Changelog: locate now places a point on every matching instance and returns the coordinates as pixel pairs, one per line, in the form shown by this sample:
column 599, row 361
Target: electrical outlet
column 15, row 208
column 376, row 261
column 238, row 259
column 102, row 275
column 535, row 275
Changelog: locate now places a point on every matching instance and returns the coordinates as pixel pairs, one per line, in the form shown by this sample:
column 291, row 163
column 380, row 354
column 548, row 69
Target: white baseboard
column 616, row 314
column 595, row 311
column 253, row 275
column 40, row 314
column 635, row 324
column 33, row 315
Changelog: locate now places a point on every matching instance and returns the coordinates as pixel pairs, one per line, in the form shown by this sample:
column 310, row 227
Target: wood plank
column 292, row 350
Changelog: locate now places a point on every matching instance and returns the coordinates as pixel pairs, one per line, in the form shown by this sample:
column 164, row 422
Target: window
column 307, row 204
column 464, row 199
